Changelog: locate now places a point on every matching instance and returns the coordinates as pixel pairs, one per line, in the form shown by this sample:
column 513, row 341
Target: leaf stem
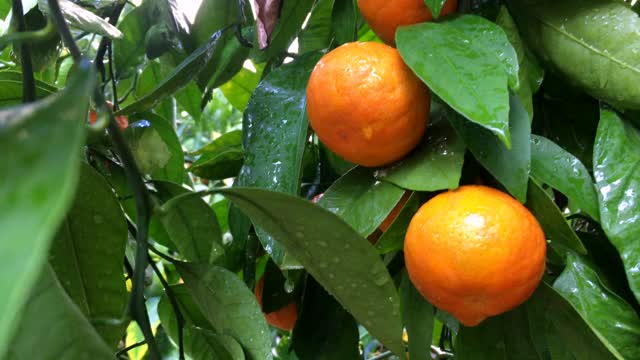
column 130, row 347
column 63, row 30
column 28, row 81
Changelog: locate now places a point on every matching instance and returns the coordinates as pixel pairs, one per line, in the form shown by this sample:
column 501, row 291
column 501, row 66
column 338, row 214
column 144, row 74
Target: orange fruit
column 385, row 16
column 395, row 211
column 366, row 105
column 284, row 318
column 474, row 252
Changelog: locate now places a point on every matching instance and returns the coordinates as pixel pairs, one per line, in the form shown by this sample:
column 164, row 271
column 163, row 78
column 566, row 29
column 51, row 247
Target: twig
column 102, row 48
column 114, row 83
column 174, row 303
column 130, row 347
column 28, row 81
column 63, row 30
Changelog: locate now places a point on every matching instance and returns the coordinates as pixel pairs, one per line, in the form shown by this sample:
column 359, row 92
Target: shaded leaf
column 418, row 317
column 618, row 184
column 128, row 52
column 361, row 200
column 221, row 158
column 393, row 239
column 87, row 255
column 347, row 20
column 317, row 34
column 555, row 227
column 333, row 253
column 11, row 88
column 37, row 184
column 83, row 19
column 67, row 334
column 559, row 169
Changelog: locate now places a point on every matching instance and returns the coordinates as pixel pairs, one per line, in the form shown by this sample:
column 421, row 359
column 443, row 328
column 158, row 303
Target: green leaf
column 509, row 166
column 87, row 255
column 37, row 184
column 275, row 132
column 593, row 43
column 615, row 321
column 393, row 239
column 11, row 88
column 128, row 52
column 151, row 75
column 45, row 51
column 324, row 330
column 238, row 90
column 341, row 260
column 289, row 24
column 83, row 19
column 616, row 168
column 173, row 168
column 560, row 331
column 191, row 224
column 229, row 305
column 361, row 200
column 180, row 77
column 472, row 77
column 435, row 165
column 555, row 227
column 221, row 158
column 53, row 328
column 317, row 34
column 435, row 6
column 505, row 336
column 559, row 169
column 347, row 20
column 418, row 318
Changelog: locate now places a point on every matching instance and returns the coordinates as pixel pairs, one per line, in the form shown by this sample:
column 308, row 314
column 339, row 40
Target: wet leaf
column 37, row 184
column 67, row 334
column 229, row 305
column 324, row 330
column 341, row 260
column 467, row 64
column 220, row 159
column 559, row 169
column 618, row 183
column 418, row 317
column 593, row 43
column 555, row 227
column 361, row 200
column 275, row 127
column 509, row 166
column 87, row 255
column 435, row 165
column 318, row 33
column 615, row 321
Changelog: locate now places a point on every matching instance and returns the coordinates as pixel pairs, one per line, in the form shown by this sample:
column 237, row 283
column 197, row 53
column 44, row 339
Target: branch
column 126, row 350
column 102, row 48
column 28, row 82
column 63, row 30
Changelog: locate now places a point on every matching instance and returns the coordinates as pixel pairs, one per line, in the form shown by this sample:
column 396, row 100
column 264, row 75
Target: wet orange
column 475, row 252
column 284, row 318
column 385, row 16
column 366, row 105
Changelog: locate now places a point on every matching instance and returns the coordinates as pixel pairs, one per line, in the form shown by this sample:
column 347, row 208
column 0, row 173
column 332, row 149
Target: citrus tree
column 328, row 179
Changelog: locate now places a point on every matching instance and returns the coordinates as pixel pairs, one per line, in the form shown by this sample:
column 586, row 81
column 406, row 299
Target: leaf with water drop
column 616, row 167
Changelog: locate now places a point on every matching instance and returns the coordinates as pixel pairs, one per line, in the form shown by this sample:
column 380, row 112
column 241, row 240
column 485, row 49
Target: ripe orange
column 284, row 318
column 475, row 252
column 385, row 16
column 366, row 105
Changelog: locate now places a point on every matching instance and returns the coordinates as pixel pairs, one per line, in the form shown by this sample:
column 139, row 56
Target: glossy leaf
column 347, row 20
column 418, row 318
column 559, row 330
column 83, row 19
column 37, row 185
column 505, row 336
column 615, row 321
column 435, row 165
column 553, row 223
column 472, row 76
column 11, row 88
column 324, row 330
column 361, row 200
column 275, row 127
column 67, row 334
column 87, row 255
column 559, row 169
column 288, row 25
column 317, row 34
column 229, row 305
column 393, row 239
column 594, row 43
column 336, row 256
column 220, row 159
column 238, row 90
column 180, row 77
column 509, row 166
column 191, row 225
column 435, row 6
column 616, row 159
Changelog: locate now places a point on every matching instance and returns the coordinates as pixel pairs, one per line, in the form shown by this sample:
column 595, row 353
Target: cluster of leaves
column 212, row 102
